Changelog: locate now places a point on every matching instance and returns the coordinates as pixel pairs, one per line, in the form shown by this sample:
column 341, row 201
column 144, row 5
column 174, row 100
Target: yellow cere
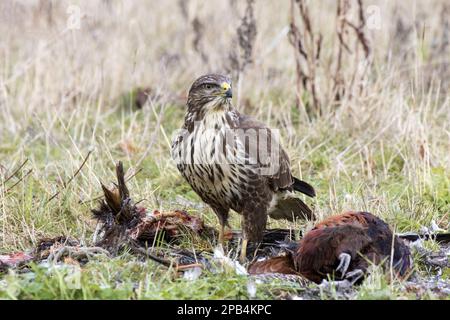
column 225, row 86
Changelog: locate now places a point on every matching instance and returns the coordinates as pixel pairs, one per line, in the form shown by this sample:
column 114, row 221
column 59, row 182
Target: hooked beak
column 226, row 90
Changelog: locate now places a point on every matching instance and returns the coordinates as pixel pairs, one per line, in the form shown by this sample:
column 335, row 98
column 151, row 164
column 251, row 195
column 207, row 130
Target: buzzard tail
column 303, row 187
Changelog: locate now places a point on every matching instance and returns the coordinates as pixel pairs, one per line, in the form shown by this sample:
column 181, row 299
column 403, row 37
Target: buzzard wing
column 281, row 177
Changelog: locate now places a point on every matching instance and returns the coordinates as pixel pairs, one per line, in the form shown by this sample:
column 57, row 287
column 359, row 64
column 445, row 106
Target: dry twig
column 246, row 35
column 65, row 184
column 307, row 47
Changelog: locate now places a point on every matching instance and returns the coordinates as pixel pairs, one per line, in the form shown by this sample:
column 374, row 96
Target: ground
column 69, row 88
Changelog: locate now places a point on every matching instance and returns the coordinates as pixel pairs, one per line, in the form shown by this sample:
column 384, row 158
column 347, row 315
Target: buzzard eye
column 208, row 86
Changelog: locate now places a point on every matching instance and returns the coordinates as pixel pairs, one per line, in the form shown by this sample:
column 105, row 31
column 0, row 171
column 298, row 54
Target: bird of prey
column 342, row 246
column 233, row 161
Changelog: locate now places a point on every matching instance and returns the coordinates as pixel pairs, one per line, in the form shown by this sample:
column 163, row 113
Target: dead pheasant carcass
column 165, row 225
column 342, row 247
column 124, row 223
column 14, row 260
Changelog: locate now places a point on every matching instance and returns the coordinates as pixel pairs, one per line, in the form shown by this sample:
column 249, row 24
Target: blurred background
column 107, row 46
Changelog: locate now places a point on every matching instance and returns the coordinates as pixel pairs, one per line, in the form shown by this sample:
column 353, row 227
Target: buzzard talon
column 344, row 263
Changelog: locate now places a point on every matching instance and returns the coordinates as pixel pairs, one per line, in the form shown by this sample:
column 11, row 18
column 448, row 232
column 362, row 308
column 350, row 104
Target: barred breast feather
column 211, row 165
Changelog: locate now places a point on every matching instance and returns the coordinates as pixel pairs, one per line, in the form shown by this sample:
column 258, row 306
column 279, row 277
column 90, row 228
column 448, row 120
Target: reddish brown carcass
column 342, row 247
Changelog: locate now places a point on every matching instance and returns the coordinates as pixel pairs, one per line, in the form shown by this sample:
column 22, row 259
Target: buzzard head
column 211, row 92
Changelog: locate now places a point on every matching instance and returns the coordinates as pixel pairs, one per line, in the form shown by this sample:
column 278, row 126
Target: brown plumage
column 343, row 246
column 230, row 172
column 281, row 264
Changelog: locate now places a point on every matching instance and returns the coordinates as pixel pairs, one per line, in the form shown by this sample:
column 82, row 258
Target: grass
column 61, row 95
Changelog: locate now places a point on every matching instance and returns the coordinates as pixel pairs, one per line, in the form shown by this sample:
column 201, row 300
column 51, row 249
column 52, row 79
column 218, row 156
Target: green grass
column 125, row 278
column 27, row 217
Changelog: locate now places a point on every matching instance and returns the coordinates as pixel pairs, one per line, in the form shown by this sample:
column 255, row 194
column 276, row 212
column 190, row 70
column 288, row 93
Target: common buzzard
column 233, row 161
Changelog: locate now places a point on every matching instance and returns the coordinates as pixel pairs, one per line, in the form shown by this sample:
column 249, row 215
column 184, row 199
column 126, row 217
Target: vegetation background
column 362, row 103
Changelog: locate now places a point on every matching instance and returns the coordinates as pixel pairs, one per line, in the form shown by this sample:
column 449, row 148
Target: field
column 366, row 121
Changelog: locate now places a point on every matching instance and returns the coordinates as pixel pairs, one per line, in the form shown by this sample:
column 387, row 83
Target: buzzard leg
column 222, row 214
column 243, row 256
column 253, row 225
column 222, row 235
